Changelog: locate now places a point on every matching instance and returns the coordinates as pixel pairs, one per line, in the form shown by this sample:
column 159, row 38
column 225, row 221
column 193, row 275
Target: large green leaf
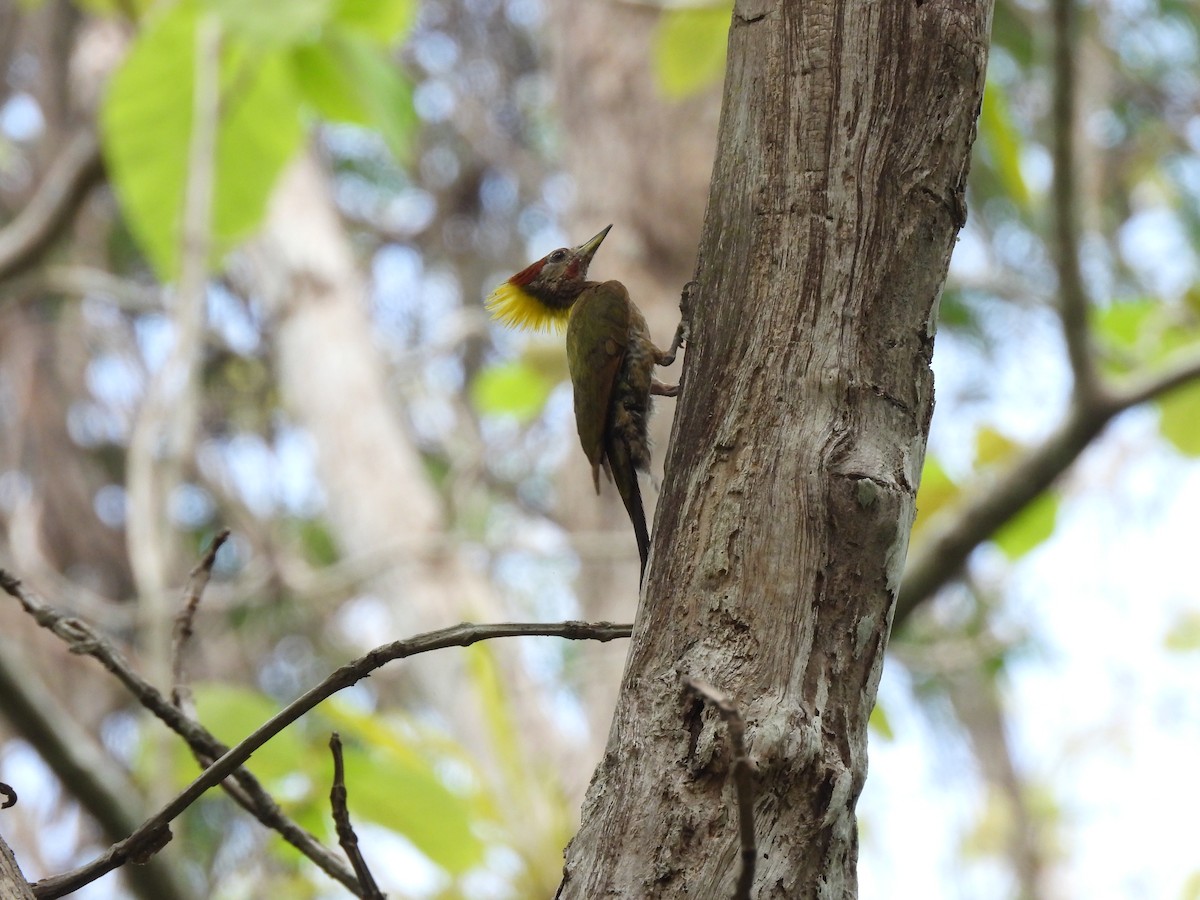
column 1179, row 419
column 1121, row 324
column 347, row 78
column 511, row 389
column 147, row 123
column 383, row 21
column 880, row 724
column 1002, row 143
column 689, row 49
column 937, row 491
column 1030, row 527
column 1184, row 635
column 392, row 781
column 231, row 713
column 993, row 447
column 272, row 22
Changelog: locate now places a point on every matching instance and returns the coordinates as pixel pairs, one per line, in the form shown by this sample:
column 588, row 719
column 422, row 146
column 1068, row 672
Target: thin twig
column 345, row 831
column 76, row 168
column 164, row 429
column 82, row 281
column 10, row 796
column 88, row 773
column 184, row 621
column 246, row 790
column 741, row 771
column 1073, row 299
column 83, row 639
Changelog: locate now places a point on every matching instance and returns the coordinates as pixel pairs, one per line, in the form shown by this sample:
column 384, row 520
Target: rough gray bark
column 798, row 443
column 12, row 883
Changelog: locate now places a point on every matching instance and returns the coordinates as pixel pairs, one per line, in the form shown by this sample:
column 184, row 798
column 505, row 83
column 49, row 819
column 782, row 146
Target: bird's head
column 540, row 296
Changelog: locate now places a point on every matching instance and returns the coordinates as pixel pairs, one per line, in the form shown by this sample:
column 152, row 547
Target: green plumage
column 611, row 358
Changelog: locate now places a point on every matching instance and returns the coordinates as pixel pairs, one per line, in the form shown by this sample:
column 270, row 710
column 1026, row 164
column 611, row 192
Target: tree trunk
column 798, row 444
column 12, row 883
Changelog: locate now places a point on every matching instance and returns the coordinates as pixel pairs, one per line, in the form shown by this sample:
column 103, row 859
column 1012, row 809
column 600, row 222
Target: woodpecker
column 611, row 358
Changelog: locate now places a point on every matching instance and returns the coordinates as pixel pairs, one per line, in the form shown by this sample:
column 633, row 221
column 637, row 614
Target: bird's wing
column 597, row 336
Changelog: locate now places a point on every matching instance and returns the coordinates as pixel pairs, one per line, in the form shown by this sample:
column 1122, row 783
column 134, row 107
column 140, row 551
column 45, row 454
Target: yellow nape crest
column 515, row 307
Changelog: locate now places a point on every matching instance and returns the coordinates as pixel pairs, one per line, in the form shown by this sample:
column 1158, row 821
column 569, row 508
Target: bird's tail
column 625, row 475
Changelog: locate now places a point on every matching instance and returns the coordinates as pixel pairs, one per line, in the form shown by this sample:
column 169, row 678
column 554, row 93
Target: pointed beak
column 587, row 250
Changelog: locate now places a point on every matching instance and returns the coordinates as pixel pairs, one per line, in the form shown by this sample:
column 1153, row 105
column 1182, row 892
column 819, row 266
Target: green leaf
column 937, row 491
column 991, row 447
column 320, row 548
column 1179, row 418
column 1011, row 31
column 384, row 21
column 880, row 723
column 689, row 49
column 1121, row 324
column 1002, row 142
column 347, row 78
column 1184, row 635
column 392, row 781
column 271, row 22
column 510, row 389
column 1191, row 887
column 1030, row 527
column 147, row 123
column 231, row 713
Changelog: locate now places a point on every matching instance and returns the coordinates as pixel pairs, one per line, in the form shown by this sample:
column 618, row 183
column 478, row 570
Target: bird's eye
column 558, row 255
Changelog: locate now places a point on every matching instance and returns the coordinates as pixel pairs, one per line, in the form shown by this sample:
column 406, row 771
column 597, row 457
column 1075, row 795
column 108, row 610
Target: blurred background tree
column 241, row 263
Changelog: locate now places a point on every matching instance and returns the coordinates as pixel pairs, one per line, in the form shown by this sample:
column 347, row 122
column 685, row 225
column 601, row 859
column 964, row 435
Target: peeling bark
column 800, row 434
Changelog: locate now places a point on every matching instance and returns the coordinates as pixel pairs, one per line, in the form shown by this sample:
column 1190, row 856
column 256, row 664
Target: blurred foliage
column 387, row 757
column 436, row 120
column 276, row 61
column 689, row 52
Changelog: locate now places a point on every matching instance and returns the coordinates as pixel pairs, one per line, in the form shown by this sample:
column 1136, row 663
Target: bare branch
column 80, row 281
column 741, row 771
column 149, row 836
column 1073, row 299
column 341, row 817
column 941, row 556
column 1182, row 370
column 197, row 582
column 78, row 760
column 246, row 789
column 62, row 189
column 165, row 426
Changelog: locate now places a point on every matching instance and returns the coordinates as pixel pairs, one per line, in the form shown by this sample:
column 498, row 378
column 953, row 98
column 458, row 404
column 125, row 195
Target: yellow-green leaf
column 147, row 123
column 689, row 49
column 510, row 389
column 347, row 78
column 1184, row 635
column 383, row 21
column 1030, row 527
column 272, row 22
column 1179, row 419
column 991, row 447
column 938, row 490
column 880, row 723
column 231, row 713
column 1002, row 143
column 408, row 797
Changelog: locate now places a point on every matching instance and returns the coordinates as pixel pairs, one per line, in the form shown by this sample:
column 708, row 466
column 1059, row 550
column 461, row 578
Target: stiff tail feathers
column 625, row 475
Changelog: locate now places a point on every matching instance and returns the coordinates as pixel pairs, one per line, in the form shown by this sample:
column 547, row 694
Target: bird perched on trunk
column 610, row 356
